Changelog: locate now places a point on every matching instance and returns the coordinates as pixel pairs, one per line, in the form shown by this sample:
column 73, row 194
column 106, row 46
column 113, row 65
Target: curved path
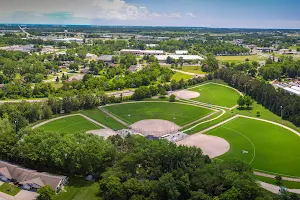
column 188, row 73
column 65, row 116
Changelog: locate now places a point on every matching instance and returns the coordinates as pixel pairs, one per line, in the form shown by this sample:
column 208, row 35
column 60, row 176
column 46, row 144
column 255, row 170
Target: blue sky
column 209, row 13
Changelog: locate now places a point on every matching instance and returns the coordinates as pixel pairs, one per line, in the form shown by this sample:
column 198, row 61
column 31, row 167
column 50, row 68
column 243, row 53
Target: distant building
column 90, row 56
column 23, row 48
column 135, row 68
column 181, row 52
column 78, row 40
column 105, row 58
column 142, row 52
column 163, row 58
column 30, row 179
column 152, row 45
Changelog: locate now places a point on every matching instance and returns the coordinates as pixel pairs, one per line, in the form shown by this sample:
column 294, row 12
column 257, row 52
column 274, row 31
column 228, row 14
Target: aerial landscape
column 149, row 100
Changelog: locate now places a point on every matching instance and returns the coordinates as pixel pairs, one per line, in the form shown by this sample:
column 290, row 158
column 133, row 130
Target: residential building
column 105, row 58
column 30, row 179
column 181, row 52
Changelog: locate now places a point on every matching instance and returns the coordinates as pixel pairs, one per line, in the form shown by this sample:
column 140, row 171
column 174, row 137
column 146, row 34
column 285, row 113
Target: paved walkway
column 77, row 114
column 189, row 73
column 275, row 189
column 113, row 116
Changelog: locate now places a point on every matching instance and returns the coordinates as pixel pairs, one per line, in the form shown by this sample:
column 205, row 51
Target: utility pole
column 281, row 107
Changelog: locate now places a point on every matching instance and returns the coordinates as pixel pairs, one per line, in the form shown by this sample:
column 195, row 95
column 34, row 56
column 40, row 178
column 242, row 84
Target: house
column 135, row 68
column 105, row 58
column 30, row 179
column 181, row 52
column 163, row 58
column 90, row 56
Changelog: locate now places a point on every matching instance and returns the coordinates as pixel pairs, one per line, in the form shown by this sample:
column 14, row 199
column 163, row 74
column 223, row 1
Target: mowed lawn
column 178, row 76
column 216, row 95
column 270, row 148
column 70, row 124
column 99, row 116
column 240, row 58
column 180, row 114
column 9, row 189
column 193, row 69
column 79, row 189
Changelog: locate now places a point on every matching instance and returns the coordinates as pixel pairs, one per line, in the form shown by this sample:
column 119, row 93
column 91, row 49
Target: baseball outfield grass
column 70, row 124
column 180, row 114
column 266, row 147
column 216, row 95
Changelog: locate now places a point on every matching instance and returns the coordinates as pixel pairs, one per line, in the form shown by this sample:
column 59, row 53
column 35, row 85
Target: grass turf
column 178, row 76
column 216, row 95
column 70, row 124
column 270, row 148
column 193, row 69
column 9, row 189
column 79, row 189
column 99, row 116
column 240, row 58
column 180, row 114
column 287, row 184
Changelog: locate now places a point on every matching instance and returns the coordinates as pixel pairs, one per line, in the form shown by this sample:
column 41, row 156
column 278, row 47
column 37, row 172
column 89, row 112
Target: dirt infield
column 156, row 127
column 211, row 145
column 103, row 132
column 185, row 94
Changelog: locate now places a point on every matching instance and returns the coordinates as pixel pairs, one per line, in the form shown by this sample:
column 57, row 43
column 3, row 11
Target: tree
column 241, row 101
column 74, row 67
column 248, row 101
column 45, row 193
column 278, row 180
column 172, row 98
column 57, row 79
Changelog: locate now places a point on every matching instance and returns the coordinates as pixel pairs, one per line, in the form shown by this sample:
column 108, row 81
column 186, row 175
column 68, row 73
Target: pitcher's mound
column 210, row 145
column 103, row 132
column 185, row 94
column 155, row 127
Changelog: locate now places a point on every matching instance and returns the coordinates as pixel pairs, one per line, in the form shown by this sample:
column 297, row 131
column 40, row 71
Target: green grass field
column 240, row 58
column 9, row 189
column 178, row 76
column 79, row 189
column 180, row 114
column 287, row 184
column 99, row 116
column 193, row 69
column 216, row 95
column 70, row 124
column 270, row 148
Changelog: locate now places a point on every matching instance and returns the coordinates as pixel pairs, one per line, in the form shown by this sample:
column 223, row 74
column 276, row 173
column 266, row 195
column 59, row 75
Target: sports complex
column 205, row 116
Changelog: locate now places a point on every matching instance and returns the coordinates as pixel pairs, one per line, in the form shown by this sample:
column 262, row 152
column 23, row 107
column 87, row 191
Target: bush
column 172, row 98
column 258, row 113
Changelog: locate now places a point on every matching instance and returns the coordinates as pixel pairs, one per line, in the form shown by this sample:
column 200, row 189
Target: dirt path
column 65, row 116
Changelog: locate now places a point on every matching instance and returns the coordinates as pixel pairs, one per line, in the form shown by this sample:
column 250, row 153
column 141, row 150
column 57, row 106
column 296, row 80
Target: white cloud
column 189, row 14
column 78, row 9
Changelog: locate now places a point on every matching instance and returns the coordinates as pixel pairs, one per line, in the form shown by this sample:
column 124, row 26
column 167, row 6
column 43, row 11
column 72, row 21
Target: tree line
column 276, row 100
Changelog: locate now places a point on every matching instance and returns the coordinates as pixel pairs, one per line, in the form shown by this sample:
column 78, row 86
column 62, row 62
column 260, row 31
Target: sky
column 195, row 13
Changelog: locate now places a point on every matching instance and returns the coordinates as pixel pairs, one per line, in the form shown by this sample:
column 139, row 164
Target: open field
column 271, row 148
column 178, row 76
column 193, row 69
column 99, row 116
column 70, row 124
column 180, row 114
column 9, row 189
column 240, row 58
column 79, row 189
column 216, row 95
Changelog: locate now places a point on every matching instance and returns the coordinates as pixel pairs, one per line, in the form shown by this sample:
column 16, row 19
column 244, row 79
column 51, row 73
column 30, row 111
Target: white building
column 292, row 91
column 142, row 52
column 163, row 58
column 78, row 40
column 181, row 52
column 90, row 56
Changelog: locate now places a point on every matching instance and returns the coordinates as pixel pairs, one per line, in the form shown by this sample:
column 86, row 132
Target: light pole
column 245, row 152
column 129, row 117
column 16, row 125
column 281, row 107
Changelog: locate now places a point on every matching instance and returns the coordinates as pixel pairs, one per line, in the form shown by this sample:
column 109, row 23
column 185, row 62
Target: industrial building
column 163, row 58
column 181, row 52
column 142, row 52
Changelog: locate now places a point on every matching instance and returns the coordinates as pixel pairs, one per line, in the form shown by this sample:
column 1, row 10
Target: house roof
column 24, row 175
column 4, row 171
column 37, row 181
